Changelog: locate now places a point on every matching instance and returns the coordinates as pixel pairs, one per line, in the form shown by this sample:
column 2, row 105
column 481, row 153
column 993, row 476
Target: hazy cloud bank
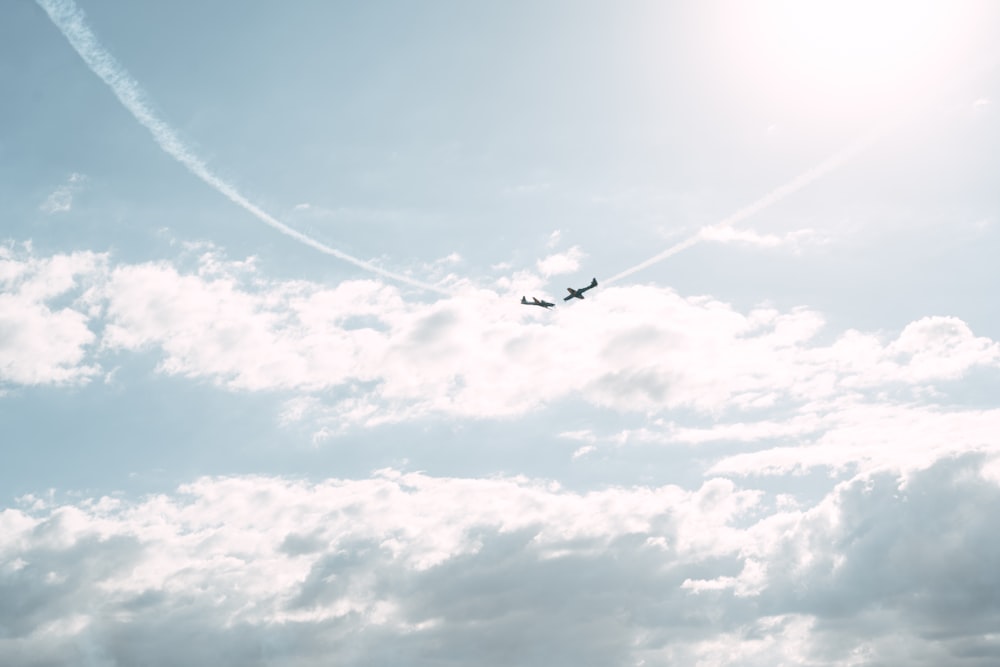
column 403, row 568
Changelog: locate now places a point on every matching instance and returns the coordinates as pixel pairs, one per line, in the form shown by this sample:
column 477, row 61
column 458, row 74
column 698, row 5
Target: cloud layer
column 404, row 568
column 891, row 565
column 477, row 352
column 358, row 354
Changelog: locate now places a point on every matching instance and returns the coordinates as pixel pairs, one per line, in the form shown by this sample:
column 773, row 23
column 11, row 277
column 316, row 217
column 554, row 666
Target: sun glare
column 851, row 51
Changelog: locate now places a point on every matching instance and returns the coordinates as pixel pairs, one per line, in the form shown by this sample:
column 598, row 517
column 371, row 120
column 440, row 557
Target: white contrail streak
column 802, row 180
column 72, row 24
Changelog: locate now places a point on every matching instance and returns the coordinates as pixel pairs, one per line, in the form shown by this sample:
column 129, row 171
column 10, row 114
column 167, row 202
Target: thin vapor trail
column 70, row 21
column 802, row 180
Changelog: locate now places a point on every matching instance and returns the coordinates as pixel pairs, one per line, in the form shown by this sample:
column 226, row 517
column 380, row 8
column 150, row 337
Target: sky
column 268, row 394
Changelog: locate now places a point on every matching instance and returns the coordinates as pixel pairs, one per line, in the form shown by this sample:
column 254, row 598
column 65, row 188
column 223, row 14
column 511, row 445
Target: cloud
column 562, row 262
column 641, row 350
column 41, row 343
column 871, row 437
column 479, row 354
column 60, row 200
column 258, row 555
column 409, row 568
column 728, row 234
column 917, row 549
column 691, row 370
column 940, row 347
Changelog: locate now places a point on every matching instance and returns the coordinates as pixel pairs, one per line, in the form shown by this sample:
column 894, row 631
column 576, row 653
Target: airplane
column 578, row 293
column 536, row 302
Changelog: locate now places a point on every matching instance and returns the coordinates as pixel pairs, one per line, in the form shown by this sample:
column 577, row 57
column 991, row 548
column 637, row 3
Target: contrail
column 822, row 169
column 72, row 24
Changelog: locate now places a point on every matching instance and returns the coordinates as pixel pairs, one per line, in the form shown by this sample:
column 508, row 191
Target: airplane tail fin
column 593, row 283
column 523, row 300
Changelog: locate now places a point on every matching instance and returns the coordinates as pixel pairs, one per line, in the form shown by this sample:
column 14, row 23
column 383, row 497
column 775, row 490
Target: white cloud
column 41, row 343
column 561, row 262
column 728, row 234
column 42, row 346
column 453, row 570
column 260, row 551
column 60, row 200
column 584, row 435
column 478, row 353
column 872, row 437
column 639, row 350
column 940, row 348
column 208, row 327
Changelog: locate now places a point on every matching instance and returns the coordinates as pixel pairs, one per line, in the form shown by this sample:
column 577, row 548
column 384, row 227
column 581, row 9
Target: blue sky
column 268, row 394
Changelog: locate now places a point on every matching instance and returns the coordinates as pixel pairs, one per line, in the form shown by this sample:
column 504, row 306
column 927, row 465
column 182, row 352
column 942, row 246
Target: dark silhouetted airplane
column 578, row 293
column 536, row 302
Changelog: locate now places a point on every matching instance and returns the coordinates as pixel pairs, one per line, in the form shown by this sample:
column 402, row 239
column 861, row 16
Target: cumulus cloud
column 561, row 262
column 401, row 562
column 478, row 353
column 940, row 347
column 40, row 342
column 359, row 354
column 915, row 551
column 405, row 568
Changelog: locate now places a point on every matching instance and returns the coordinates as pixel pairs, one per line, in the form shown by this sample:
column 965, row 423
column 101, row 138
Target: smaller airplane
column 536, row 302
column 578, row 293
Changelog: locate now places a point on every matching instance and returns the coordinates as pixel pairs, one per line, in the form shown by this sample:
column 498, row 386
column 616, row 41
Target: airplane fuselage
column 578, row 293
column 535, row 302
